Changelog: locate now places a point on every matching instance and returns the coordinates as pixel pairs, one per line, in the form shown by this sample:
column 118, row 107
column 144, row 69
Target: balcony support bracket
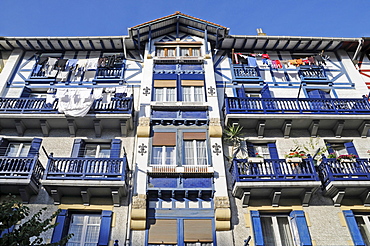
column 338, row 198
column 116, row 196
column 19, row 125
column 276, row 198
column 367, row 198
column 246, row 197
column 25, row 195
column 338, row 128
column 72, row 127
column 306, row 198
column 260, row 128
column 45, row 127
column 364, row 128
column 56, row 196
column 123, row 125
column 287, row 126
column 314, row 127
column 86, row 197
column 98, row 128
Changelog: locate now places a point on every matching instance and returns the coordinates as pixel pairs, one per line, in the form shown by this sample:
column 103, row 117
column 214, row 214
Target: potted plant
column 347, row 158
column 295, row 156
column 332, row 156
column 256, row 159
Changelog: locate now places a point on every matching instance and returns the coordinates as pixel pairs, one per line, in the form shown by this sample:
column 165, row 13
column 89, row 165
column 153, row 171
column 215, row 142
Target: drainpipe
column 360, row 43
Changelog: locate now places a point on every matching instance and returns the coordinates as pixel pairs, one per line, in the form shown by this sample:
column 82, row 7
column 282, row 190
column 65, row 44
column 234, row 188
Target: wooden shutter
column 198, row 231
column 194, row 136
column 257, row 228
column 105, row 228
column 250, row 149
column 35, row 147
column 164, row 139
column 164, row 83
column 265, row 92
column 78, row 147
column 353, row 228
column 60, row 228
column 299, row 220
column 162, row 232
column 273, row 151
column 115, row 148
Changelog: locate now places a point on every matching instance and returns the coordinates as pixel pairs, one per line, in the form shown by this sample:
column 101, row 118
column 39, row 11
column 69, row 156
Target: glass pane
column 160, row 52
column 285, row 233
column 196, row 52
column 268, row 231
column 157, row 155
column 12, row 150
column 171, row 52
column 90, row 150
column 198, row 94
column 104, row 151
column 201, row 153
column 189, row 153
column 158, row 94
column 186, row 94
column 25, row 149
column 170, row 154
column 184, row 52
column 363, row 228
column 171, row 94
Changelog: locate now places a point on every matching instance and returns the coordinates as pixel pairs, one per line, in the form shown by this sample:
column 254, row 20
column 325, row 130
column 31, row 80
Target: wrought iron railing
column 273, row 170
column 21, row 168
column 87, row 168
column 297, row 105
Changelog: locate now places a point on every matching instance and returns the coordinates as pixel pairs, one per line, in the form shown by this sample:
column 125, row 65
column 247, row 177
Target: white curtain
column 186, row 94
column 198, row 94
column 157, row 156
column 285, row 232
column 170, row 154
column 189, row 152
column 201, row 153
column 268, row 231
column 158, row 94
column 171, row 94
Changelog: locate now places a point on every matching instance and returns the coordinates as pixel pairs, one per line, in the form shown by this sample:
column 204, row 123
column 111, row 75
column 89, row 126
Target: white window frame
column 163, row 156
column 195, row 157
column 84, row 231
column 193, row 94
column 166, row 93
column 262, row 150
column 98, row 148
column 19, row 148
column 275, row 225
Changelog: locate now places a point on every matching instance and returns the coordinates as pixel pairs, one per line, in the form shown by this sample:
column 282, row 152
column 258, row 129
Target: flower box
column 255, row 159
column 293, row 159
column 347, row 160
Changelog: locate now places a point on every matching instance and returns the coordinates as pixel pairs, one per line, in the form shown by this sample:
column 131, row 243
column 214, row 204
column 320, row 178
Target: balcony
column 299, row 113
column 20, row 175
column 87, row 178
column 314, row 74
column 179, row 117
column 244, row 73
column 346, row 180
column 27, row 113
column 102, row 74
column 274, row 179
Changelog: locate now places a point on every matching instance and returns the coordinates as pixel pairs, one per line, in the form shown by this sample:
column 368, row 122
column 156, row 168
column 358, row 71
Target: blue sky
column 319, row 18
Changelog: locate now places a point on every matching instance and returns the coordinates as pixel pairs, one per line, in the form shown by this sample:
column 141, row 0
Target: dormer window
column 189, row 51
column 166, row 52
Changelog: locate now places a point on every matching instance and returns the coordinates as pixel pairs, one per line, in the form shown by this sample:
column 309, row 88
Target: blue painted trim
column 300, row 221
column 353, row 228
column 257, row 228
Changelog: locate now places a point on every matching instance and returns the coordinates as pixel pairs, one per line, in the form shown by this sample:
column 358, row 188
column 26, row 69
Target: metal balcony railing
column 86, row 169
column 308, row 73
column 297, row 105
column 273, row 170
column 242, row 72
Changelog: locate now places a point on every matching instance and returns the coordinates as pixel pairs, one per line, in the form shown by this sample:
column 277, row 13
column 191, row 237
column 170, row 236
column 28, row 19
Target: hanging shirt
column 252, row 61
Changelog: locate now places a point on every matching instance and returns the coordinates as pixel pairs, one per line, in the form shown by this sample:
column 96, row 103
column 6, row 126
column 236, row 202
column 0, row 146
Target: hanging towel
column 252, row 61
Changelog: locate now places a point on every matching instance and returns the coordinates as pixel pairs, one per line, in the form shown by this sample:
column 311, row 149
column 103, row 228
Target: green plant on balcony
column 332, row 156
column 232, row 135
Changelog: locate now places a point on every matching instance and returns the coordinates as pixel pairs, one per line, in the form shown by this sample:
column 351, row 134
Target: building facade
column 182, row 134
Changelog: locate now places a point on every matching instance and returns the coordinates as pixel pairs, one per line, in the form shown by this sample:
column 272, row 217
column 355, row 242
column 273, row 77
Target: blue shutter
column 240, row 92
column 115, row 148
column 3, row 146
column 324, row 94
column 330, row 149
column 250, row 149
column 265, row 92
column 6, row 231
column 314, row 94
column 26, row 92
column 273, row 151
column 350, row 148
column 353, row 228
column 78, row 147
column 257, row 228
column 299, row 220
column 35, row 147
column 59, row 230
column 105, row 227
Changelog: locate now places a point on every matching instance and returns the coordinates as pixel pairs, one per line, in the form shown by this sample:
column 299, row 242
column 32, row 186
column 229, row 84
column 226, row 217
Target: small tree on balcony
column 232, row 134
column 18, row 228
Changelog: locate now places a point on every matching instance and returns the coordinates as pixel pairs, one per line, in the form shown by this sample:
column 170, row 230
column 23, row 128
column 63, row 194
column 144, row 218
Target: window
column 85, row 228
column 88, row 228
column 340, row 148
column 163, row 150
column 266, row 150
column 82, row 148
column 19, row 148
column 243, row 91
column 318, row 94
column 165, row 94
column 192, row 88
column 189, row 51
column 166, row 52
column 363, row 223
column 195, row 151
column 280, row 229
